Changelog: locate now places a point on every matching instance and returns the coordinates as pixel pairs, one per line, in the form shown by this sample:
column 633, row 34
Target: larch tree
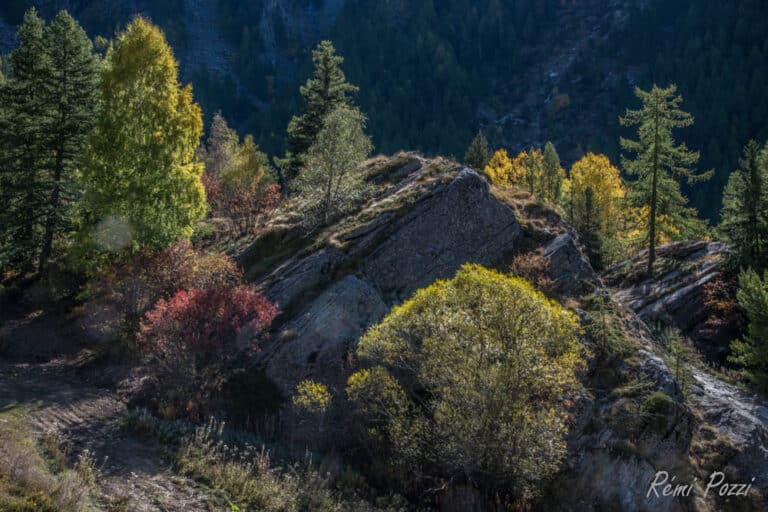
column 595, row 192
column 745, row 208
column 500, row 170
column 659, row 161
column 322, row 93
column 334, row 179
column 552, row 174
column 478, row 153
column 74, row 89
column 534, row 168
column 25, row 143
column 141, row 180
column 595, row 172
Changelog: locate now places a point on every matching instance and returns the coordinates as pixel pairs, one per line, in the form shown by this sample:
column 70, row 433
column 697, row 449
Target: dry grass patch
column 34, row 475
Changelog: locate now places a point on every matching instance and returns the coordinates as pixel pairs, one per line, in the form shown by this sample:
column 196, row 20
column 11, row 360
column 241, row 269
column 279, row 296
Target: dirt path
column 135, row 476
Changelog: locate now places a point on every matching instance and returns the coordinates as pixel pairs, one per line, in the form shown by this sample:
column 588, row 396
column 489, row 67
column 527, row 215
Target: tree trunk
column 654, row 199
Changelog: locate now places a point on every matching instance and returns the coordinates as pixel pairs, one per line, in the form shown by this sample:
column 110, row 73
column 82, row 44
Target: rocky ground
column 57, row 401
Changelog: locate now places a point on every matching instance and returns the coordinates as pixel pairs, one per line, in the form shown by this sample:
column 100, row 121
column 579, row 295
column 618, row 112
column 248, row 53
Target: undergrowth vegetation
column 36, row 475
column 249, row 475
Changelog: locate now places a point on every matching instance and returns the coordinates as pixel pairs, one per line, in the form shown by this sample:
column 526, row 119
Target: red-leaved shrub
column 725, row 317
column 534, row 267
column 122, row 293
column 195, row 334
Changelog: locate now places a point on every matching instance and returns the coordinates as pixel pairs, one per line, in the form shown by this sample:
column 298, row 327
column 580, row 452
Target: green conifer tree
column 659, row 160
column 322, row 93
column 533, row 170
column 25, row 145
column 478, row 153
column 74, row 88
column 552, row 176
column 745, row 209
column 752, row 351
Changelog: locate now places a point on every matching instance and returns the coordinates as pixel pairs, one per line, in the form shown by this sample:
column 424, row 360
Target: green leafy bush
column 471, row 382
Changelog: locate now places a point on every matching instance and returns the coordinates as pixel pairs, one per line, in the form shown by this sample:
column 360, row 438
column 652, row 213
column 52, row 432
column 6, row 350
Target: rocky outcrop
column 674, row 295
column 570, row 269
column 431, row 217
column 731, row 431
column 333, row 294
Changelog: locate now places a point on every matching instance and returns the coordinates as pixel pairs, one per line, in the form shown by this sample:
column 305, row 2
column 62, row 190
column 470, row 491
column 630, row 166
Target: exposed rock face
column 334, row 294
column 675, row 294
column 740, row 423
column 570, row 269
column 731, row 435
column 435, row 216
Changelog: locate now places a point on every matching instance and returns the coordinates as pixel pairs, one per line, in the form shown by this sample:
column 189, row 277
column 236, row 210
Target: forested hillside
column 432, row 73
column 197, row 317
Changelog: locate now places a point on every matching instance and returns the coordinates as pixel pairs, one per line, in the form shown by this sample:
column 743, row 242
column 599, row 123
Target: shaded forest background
column 432, row 72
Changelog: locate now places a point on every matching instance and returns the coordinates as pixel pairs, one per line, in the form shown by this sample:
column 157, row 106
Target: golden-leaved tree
column 594, row 202
column 469, row 381
column 141, row 180
column 500, row 170
column 523, row 171
column 596, row 173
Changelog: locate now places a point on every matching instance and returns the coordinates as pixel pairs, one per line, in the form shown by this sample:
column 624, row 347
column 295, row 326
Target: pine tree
column 659, row 160
column 327, row 89
column 74, row 92
column 478, row 153
column 141, row 179
column 25, row 142
column 552, row 176
column 745, row 208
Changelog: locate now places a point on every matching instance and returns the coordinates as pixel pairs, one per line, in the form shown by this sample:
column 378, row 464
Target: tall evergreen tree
column 752, row 351
column 478, row 153
column 74, row 90
column 659, row 160
column 322, row 93
column 745, row 208
column 25, row 144
column 534, row 167
column 140, row 175
column 552, row 175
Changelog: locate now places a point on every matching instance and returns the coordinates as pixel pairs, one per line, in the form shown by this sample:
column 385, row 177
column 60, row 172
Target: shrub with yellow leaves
column 469, row 383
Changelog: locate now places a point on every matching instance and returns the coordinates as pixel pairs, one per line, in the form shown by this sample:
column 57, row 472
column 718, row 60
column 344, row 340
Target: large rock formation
column 432, row 216
column 731, row 431
column 431, row 226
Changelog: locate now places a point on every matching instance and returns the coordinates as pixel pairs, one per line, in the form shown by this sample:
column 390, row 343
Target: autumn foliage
column 535, row 268
column 131, row 287
column 243, row 193
column 194, row 334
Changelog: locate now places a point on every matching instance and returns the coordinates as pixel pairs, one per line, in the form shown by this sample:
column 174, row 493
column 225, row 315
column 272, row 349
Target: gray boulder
column 331, row 296
column 569, row 267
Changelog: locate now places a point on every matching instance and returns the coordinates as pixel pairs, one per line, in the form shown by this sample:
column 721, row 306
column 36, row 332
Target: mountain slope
column 431, row 73
column 634, row 418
